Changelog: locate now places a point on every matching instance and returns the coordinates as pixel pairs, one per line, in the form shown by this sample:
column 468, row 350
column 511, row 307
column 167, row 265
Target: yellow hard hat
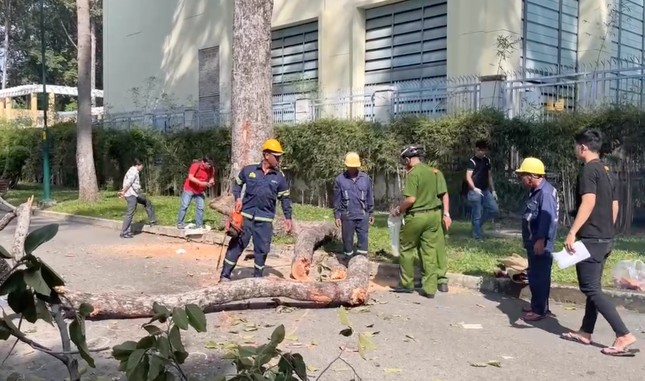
column 352, row 160
column 272, row 145
column 532, row 166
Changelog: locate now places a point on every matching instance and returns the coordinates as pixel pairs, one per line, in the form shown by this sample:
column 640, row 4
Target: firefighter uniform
column 258, row 209
column 353, row 205
column 422, row 234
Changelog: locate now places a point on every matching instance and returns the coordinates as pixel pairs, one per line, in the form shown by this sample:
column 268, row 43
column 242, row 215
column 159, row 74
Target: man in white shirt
column 132, row 193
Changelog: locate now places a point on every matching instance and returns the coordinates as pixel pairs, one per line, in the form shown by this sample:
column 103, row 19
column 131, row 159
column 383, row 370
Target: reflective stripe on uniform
column 259, row 267
column 350, row 253
column 229, row 262
column 263, row 219
column 250, row 217
column 361, row 251
column 238, row 180
column 284, row 193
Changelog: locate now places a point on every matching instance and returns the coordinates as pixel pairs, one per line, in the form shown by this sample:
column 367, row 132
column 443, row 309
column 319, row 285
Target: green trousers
column 422, row 238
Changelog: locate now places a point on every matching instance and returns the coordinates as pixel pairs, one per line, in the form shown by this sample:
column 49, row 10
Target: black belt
column 412, row 213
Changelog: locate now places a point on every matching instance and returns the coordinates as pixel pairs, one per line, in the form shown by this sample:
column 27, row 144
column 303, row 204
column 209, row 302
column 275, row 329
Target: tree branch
column 68, row 36
column 6, row 219
column 22, row 229
column 14, row 344
column 7, row 205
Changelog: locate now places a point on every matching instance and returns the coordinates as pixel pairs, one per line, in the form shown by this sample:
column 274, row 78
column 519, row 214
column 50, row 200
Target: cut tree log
column 351, row 291
column 22, row 229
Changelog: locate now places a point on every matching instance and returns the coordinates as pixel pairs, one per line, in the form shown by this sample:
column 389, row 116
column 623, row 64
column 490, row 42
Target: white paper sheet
column 565, row 259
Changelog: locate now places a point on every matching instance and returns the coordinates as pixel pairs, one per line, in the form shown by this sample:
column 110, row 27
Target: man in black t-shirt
column 482, row 197
column 597, row 210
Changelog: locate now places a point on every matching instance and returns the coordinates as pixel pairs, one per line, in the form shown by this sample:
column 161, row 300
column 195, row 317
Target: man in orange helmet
column 265, row 184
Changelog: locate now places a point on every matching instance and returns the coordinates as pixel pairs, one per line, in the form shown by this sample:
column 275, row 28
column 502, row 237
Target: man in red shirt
column 201, row 176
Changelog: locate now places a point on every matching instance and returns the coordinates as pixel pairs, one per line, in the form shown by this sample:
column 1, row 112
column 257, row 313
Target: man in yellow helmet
column 353, row 205
column 265, row 184
column 539, row 229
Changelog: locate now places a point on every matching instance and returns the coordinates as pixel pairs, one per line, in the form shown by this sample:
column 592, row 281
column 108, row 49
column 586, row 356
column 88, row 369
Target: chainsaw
column 232, row 228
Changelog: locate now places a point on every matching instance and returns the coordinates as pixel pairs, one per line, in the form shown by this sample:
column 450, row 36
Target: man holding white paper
column 539, row 229
column 597, row 210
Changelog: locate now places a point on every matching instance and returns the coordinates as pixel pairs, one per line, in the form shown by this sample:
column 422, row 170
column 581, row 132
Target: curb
column 559, row 293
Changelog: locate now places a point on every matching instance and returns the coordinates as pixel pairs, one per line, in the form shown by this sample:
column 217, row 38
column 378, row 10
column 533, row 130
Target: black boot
column 443, row 287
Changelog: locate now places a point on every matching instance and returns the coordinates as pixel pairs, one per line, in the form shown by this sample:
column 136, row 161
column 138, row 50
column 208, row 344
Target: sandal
column 618, row 352
column 532, row 316
column 576, row 338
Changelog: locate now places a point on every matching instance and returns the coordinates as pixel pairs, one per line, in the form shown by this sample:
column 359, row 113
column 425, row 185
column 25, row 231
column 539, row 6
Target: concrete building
column 162, row 53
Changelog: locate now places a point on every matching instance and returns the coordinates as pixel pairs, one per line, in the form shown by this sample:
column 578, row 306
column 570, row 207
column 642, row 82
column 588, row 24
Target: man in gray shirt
column 132, row 193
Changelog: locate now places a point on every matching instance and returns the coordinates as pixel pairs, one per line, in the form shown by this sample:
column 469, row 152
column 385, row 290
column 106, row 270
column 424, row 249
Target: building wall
column 153, row 45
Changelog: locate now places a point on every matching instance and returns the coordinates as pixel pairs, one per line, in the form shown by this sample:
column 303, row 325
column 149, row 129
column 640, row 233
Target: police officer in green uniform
column 426, row 214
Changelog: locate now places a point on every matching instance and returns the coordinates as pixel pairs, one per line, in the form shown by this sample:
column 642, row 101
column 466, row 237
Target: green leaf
column 51, row 277
column 14, row 282
column 278, row 335
column 77, row 335
column 343, row 316
column 301, row 368
column 156, row 368
column 364, row 344
column 85, row 309
column 246, row 351
column 175, row 339
column 196, row 317
column 35, row 280
column 40, row 236
column 180, row 356
column 163, row 346
column 180, row 318
column 122, row 351
column 22, row 302
column 152, row 329
column 4, row 253
column 123, row 365
column 160, row 310
column 5, row 331
column 146, row 342
column 134, row 359
column 140, row 370
column 43, row 312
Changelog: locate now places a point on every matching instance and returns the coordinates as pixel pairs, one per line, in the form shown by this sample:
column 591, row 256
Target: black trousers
column 589, row 274
column 132, row 202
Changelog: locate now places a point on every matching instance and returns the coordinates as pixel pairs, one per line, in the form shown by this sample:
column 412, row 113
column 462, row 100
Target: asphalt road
column 415, row 338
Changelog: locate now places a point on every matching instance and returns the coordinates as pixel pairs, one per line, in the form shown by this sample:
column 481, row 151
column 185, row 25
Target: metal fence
column 526, row 93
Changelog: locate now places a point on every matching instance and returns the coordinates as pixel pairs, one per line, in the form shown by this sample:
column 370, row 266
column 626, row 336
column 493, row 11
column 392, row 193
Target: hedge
column 314, row 150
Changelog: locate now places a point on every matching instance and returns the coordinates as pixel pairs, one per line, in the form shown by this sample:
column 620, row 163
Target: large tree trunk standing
column 88, row 189
column 251, row 115
column 5, row 45
column 93, row 59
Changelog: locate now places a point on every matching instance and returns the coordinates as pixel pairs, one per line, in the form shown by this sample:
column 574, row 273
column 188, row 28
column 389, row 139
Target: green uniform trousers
column 422, row 238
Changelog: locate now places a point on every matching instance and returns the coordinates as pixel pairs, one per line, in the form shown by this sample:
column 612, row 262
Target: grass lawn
column 465, row 254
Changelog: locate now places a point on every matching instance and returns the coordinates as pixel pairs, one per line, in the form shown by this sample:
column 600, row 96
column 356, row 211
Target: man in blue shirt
column 353, row 205
column 265, row 184
column 539, row 229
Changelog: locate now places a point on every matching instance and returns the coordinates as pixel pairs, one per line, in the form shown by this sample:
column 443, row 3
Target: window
column 208, row 108
column 627, row 49
column 550, row 40
column 406, row 48
column 294, row 58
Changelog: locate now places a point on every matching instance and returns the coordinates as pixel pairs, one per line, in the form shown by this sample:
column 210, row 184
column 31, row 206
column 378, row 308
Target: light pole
column 45, row 104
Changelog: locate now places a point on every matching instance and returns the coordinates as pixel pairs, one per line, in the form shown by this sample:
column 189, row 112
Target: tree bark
column 5, row 46
column 93, row 59
column 88, row 189
column 22, row 229
column 351, row 291
column 251, row 93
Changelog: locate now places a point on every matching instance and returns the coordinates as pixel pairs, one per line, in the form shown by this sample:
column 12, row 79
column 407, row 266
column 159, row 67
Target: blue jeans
column 186, row 198
column 483, row 208
column 539, row 275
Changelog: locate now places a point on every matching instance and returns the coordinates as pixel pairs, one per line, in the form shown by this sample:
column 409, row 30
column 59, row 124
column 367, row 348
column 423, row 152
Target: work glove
column 495, row 195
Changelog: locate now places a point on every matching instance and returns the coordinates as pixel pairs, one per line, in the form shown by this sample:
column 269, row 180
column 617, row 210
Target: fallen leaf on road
column 392, row 370
column 312, row 368
column 507, row 357
column 411, row 337
column 471, row 326
column 148, row 256
column 369, row 325
column 360, row 309
column 292, row 338
column 211, row 345
column 479, row 365
column 313, row 343
column 480, row 305
column 494, row 363
column 233, row 332
column 570, row 308
column 247, row 337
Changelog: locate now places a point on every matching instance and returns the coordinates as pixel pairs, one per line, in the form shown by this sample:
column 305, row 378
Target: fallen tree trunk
column 351, row 291
column 5, row 268
column 22, row 229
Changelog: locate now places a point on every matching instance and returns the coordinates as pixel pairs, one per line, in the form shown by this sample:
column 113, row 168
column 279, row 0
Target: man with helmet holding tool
column 265, row 184
column 426, row 213
column 353, row 205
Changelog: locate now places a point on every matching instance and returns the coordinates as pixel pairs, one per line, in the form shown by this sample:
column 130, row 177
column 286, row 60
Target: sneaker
column 402, row 290
column 443, row 287
column 126, row 235
column 181, row 227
